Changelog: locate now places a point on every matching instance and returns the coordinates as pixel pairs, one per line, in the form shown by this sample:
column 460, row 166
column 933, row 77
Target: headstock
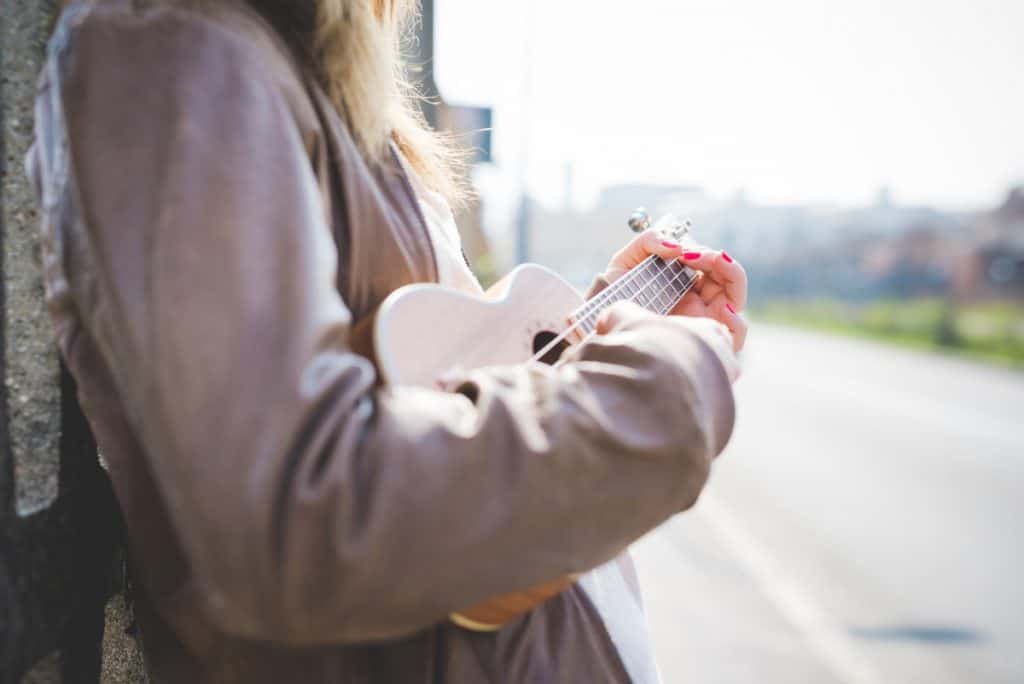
column 669, row 225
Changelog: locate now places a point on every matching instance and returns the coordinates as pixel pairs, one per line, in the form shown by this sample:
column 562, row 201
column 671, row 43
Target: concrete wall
column 60, row 530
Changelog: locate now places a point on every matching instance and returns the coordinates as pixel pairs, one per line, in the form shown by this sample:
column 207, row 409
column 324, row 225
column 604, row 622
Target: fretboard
column 655, row 284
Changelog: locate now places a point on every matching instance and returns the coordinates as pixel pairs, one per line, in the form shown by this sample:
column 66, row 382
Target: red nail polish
column 730, row 307
column 669, row 244
column 691, row 256
column 727, row 258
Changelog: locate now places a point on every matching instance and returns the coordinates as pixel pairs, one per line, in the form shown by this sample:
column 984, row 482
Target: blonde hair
column 358, row 49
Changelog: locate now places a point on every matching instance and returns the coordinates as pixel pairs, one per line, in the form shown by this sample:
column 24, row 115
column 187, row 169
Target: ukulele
column 425, row 333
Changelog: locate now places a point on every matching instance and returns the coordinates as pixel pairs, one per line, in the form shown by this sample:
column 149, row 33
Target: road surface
column 865, row 524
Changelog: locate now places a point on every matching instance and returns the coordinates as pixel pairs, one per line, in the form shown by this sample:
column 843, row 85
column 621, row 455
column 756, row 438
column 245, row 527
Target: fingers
column 727, row 314
column 618, row 314
column 724, row 270
column 724, row 338
column 639, row 248
column 710, row 291
column 710, row 305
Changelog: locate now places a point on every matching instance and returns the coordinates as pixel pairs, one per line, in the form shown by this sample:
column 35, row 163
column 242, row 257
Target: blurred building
column 993, row 267
column 885, row 250
column 578, row 243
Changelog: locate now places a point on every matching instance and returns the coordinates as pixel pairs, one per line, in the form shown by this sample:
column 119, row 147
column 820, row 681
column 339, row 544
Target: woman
column 227, row 191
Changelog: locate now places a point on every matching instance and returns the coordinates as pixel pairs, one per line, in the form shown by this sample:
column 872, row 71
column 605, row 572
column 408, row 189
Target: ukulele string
column 662, row 266
column 620, row 285
column 602, row 298
column 633, row 274
column 613, row 289
column 597, row 302
column 661, row 271
column 686, row 289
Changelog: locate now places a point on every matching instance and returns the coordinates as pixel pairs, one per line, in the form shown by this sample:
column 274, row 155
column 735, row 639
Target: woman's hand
column 720, row 292
column 712, row 332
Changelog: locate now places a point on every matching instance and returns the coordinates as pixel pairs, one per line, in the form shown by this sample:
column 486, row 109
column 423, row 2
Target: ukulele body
column 424, row 332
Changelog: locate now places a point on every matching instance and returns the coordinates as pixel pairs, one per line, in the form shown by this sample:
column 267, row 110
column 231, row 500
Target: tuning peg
column 639, row 220
column 682, row 230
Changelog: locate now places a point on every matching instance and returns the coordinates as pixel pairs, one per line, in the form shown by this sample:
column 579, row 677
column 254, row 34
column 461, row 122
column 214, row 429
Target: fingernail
column 727, row 258
column 690, row 256
column 730, row 307
column 669, row 244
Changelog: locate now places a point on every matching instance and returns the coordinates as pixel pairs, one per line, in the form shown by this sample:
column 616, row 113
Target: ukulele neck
column 655, row 284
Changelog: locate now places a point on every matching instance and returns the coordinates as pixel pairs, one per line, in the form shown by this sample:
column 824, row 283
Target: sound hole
column 543, row 339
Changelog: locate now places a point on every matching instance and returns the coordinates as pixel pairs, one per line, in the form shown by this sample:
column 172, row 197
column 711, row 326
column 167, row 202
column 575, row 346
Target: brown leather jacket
column 210, row 235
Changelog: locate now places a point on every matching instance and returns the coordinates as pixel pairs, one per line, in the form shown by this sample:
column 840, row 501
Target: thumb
column 619, row 314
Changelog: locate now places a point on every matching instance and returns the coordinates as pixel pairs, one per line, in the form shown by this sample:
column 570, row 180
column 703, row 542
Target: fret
column 629, row 289
column 658, row 282
column 615, row 293
column 665, row 276
column 640, row 284
column 622, row 294
column 652, row 269
column 587, row 315
column 669, row 297
column 681, row 284
column 634, row 289
column 654, row 284
column 637, row 289
column 683, row 274
column 670, row 292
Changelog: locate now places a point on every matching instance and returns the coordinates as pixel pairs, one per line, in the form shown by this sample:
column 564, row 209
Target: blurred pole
column 523, row 229
column 422, row 57
column 523, row 212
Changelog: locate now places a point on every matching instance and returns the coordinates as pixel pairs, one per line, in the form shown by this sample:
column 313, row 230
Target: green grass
column 991, row 331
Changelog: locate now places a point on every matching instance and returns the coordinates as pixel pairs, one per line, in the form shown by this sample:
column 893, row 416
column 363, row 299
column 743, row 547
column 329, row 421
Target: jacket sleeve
column 313, row 506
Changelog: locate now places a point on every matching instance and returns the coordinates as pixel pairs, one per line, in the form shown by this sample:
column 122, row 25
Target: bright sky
column 791, row 100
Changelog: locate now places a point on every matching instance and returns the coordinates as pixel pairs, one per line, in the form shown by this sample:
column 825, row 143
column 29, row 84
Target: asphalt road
column 865, row 524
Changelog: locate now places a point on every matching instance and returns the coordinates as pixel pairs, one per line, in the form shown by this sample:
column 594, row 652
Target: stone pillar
column 60, row 529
